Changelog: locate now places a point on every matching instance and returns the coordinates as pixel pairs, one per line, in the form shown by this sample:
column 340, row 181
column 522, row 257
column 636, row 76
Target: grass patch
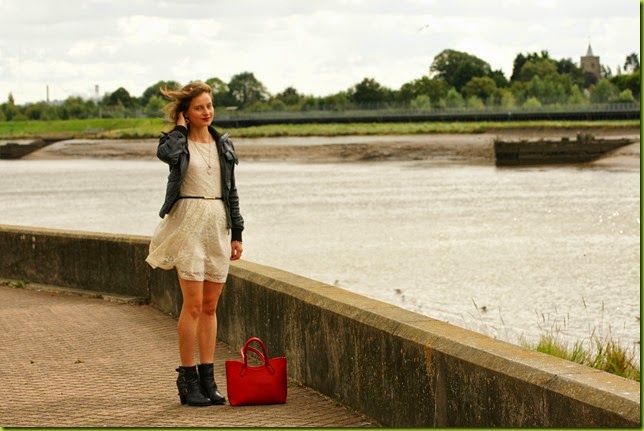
column 116, row 128
column 601, row 351
column 341, row 129
column 20, row 284
column 606, row 355
column 140, row 128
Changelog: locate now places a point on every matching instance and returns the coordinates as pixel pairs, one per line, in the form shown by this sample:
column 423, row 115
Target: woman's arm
column 173, row 144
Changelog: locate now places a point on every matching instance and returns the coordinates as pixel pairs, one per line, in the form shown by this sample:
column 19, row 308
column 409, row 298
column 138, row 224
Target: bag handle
column 255, row 351
column 264, row 357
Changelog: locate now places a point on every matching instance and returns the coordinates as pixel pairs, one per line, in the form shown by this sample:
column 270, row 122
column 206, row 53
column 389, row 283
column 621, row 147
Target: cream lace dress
column 193, row 236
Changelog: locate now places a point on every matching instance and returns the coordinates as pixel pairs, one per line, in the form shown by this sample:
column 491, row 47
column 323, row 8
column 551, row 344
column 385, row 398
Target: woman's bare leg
column 207, row 326
column 193, row 294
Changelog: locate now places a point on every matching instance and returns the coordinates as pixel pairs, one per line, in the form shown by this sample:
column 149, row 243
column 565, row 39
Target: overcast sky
column 319, row 47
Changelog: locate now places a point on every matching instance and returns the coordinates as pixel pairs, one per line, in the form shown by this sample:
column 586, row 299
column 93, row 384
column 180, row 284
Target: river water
column 511, row 253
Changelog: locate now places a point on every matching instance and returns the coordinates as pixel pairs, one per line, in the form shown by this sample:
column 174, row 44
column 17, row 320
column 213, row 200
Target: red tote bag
column 256, row 385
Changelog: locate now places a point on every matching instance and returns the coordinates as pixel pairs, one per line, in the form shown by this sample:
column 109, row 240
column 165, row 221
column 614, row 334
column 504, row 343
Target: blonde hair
column 180, row 99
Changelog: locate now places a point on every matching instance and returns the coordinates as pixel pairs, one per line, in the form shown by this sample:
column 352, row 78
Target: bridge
column 619, row 111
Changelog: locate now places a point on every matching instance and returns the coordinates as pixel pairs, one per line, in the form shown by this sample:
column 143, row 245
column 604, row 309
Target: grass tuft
column 603, row 354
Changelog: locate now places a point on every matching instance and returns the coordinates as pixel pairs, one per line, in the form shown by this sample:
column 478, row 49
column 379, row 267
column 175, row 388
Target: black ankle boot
column 189, row 389
column 208, row 385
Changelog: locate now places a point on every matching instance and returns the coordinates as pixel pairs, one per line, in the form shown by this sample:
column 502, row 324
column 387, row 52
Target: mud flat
column 454, row 148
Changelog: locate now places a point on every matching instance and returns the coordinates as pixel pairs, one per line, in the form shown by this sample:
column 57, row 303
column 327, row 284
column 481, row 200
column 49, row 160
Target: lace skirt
column 194, row 239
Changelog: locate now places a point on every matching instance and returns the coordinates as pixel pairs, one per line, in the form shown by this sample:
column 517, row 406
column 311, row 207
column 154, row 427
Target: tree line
column 456, row 80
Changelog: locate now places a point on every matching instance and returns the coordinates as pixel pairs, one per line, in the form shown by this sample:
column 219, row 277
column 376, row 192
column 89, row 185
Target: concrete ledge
column 106, row 263
column 398, row 367
column 406, row 370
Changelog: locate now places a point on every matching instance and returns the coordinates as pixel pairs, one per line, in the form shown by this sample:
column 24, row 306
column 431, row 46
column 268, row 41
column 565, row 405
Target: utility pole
column 100, row 114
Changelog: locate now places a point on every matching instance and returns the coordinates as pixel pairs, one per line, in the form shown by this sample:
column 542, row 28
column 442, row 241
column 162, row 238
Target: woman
column 201, row 231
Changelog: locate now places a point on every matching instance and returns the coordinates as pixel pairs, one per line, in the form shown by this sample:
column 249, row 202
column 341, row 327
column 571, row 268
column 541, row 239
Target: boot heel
column 189, row 390
column 208, row 385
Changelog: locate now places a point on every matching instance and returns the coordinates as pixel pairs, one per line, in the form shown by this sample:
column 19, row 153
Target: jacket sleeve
column 233, row 197
column 235, row 213
column 172, row 145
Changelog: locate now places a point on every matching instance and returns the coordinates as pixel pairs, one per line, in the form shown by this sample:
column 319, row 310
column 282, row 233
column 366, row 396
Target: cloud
column 318, row 46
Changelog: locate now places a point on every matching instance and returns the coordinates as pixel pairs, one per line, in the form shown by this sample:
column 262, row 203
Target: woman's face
column 201, row 112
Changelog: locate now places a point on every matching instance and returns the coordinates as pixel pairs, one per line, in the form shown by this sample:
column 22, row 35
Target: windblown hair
column 180, row 99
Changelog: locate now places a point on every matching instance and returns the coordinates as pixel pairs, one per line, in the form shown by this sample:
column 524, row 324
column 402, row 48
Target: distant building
column 591, row 67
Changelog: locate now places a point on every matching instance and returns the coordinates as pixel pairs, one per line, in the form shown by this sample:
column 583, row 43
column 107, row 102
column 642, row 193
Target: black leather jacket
column 173, row 150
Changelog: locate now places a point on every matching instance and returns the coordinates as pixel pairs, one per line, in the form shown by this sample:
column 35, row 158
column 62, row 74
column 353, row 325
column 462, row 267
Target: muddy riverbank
column 464, row 148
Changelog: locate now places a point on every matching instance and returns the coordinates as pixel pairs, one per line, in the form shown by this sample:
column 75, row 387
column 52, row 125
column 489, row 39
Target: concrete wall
column 397, row 367
column 99, row 262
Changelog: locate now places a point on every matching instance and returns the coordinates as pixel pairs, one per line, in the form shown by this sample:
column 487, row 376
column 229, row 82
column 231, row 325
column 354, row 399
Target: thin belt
column 200, row 197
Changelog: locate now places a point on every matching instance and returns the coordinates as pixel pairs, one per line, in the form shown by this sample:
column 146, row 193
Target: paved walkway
column 77, row 361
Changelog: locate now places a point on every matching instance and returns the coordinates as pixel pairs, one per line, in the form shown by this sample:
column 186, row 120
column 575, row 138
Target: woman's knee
column 192, row 309
column 212, row 292
column 192, row 293
column 209, row 307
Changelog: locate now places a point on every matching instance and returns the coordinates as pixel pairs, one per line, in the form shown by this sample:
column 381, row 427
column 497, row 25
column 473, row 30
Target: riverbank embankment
column 396, row 367
column 477, row 148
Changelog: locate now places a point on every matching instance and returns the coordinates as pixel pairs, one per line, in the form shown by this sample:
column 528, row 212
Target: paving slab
column 79, row 361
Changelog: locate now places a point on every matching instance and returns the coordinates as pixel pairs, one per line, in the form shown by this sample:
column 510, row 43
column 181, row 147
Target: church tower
column 590, row 66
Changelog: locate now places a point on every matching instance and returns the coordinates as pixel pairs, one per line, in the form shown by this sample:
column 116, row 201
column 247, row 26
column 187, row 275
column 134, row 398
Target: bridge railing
column 623, row 111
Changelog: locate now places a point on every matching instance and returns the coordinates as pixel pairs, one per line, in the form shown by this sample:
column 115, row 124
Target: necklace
column 208, row 163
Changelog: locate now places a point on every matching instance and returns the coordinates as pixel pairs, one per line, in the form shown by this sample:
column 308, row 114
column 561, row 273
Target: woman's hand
column 236, row 249
column 181, row 120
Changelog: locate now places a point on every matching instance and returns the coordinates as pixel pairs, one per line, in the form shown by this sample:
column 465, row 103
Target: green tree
column 603, row 92
column 220, row 92
column 216, row 85
column 10, row 110
column 310, row 103
column 289, row 97
column 474, row 102
column 548, row 91
column 577, row 97
column 632, row 63
column 277, row 105
column 155, row 91
column 520, row 60
column 246, row 89
column 506, row 98
column 453, row 99
column 154, row 107
column 336, row 102
column 119, row 97
column 625, row 96
column 482, row 87
column 628, row 82
column 259, row 106
column 540, row 77
column 532, row 103
column 421, row 102
column 368, row 92
column 568, row 67
column 606, row 72
column 499, row 78
column 518, row 63
column 435, row 89
column 458, row 68
column 41, row 111
column 542, row 67
column 76, row 108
